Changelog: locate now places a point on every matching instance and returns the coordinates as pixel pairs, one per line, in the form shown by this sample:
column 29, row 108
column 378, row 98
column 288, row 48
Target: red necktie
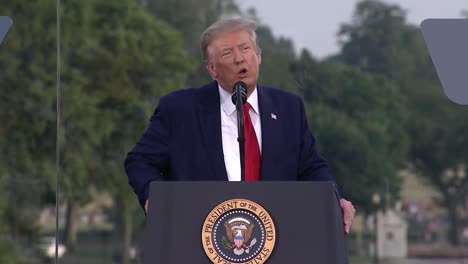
column 252, row 150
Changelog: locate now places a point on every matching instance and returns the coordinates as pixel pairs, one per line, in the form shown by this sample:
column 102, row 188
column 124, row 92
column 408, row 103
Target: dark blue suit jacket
column 183, row 140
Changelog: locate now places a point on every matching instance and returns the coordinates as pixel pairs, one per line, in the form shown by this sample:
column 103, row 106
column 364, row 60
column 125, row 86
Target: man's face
column 233, row 57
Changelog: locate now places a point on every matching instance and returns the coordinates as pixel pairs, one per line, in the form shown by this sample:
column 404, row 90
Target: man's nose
column 238, row 57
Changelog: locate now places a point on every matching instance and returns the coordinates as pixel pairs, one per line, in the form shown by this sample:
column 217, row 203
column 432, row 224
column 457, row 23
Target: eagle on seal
column 239, row 231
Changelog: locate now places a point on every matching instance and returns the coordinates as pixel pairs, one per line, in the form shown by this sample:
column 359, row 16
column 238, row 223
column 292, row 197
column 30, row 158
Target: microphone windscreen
column 240, row 89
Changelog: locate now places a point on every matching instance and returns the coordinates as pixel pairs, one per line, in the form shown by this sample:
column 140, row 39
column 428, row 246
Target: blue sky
column 313, row 24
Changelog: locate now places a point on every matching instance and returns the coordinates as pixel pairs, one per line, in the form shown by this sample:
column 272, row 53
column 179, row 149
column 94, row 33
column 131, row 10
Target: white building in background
column 392, row 230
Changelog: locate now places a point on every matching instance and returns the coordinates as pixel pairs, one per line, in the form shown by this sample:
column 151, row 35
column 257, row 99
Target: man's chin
column 248, row 80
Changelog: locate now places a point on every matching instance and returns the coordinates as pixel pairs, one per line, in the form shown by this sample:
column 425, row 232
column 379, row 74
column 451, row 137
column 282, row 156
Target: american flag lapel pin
column 273, row 116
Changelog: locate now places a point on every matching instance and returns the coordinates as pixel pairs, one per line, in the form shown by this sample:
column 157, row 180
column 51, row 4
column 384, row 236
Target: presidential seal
column 238, row 231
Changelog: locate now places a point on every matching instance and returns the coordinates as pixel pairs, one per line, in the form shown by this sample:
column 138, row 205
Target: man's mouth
column 242, row 72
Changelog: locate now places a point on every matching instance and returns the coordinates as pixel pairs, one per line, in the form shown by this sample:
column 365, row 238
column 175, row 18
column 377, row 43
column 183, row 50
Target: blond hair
column 227, row 25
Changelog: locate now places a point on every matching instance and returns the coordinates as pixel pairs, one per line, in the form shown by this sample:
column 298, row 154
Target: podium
column 5, row 24
column 307, row 219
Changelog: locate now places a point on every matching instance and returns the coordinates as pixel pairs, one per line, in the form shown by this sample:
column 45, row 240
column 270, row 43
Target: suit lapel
column 210, row 125
column 269, row 137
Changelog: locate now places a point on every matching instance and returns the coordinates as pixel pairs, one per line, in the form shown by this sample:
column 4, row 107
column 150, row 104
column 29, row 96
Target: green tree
column 439, row 153
column 358, row 120
column 191, row 18
column 277, row 57
column 27, row 133
column 118, row 60
column 379, row 41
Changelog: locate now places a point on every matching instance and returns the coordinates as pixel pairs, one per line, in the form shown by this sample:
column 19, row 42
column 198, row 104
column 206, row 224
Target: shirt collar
column 227, row 105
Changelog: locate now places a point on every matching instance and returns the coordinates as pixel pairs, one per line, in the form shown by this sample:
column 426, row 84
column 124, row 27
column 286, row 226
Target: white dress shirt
column 229, row 131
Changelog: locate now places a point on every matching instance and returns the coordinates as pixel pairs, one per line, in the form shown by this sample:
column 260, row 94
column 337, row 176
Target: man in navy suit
column 192, row 135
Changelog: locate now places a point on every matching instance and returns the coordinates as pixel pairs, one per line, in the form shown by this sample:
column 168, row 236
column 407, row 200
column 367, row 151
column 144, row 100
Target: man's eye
column 245, row 48
column 226, row 54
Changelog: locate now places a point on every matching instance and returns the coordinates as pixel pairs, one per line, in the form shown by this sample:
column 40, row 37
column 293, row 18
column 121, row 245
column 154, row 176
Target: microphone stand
column 240, row 133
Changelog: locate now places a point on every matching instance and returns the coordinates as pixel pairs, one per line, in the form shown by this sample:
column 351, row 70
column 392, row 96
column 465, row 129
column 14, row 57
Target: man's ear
column 211, row 70
column 259, row 55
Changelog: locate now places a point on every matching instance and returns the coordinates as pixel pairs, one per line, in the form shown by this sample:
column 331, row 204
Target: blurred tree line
column 376, row 107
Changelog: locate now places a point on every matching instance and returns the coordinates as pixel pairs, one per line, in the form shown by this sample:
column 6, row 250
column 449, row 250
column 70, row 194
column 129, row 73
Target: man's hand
column 348, row 214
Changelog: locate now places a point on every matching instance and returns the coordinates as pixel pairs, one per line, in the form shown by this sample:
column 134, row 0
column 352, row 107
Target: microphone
column 239, row 92
column 239, row 97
